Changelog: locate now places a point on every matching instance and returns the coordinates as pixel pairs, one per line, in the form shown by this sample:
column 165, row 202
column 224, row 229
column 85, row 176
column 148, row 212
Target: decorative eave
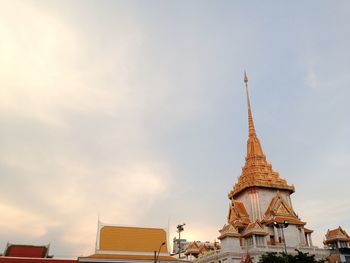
column 329, row 241
column 257, row 233
column 224, row 235
column 308, row 231
column 254, row 229
column 239, row 187
column 229, row 231
column 281, row 219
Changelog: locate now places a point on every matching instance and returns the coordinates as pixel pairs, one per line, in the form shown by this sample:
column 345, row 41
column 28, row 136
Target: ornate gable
column 192, row 249
column 283, row 210
column 228, row 231
column 254, row 229
column 279, row 211
column 237, row 214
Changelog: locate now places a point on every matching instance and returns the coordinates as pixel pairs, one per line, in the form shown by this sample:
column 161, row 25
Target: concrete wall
column 229, row 244
column 264, row 198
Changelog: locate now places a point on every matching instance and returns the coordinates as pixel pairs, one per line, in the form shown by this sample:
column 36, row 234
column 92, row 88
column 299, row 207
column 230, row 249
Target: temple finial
column 245, row 77
column 250, row 117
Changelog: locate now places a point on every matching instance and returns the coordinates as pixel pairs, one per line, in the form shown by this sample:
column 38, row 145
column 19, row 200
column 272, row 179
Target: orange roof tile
column 133, row 239
column 192, row 249
column 337, row 234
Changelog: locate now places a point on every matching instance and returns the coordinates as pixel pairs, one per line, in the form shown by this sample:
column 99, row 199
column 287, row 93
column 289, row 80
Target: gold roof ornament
column 257, row 172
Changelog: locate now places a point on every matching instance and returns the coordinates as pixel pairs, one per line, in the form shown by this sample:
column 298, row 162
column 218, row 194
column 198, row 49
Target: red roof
column 35, row 260
column 26, row 251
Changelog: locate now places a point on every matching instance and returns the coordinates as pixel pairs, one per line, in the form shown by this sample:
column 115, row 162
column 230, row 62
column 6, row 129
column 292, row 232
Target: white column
column 252, row 204
column 307, row 240
column 275, row 234
column 254, row 241
column 310, row 240
column 258, row 205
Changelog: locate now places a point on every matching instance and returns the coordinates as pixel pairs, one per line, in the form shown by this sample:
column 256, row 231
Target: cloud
column 48, row 68
column 20, row 221
column 71, row 199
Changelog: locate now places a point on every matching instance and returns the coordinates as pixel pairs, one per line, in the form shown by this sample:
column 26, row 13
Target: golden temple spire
column 250, row 116
column 257, row 172
column 253, row 145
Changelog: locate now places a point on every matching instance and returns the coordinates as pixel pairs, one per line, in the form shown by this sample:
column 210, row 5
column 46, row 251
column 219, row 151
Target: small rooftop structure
column 338, row 241
column 337, row 236
column 29, row 251
column 15, row 253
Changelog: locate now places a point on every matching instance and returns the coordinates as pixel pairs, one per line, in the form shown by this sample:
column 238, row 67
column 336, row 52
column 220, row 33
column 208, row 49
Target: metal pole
column 156, row 257
column 282, row 225
column 179, row 244
column 284, row 240
column 180, row 228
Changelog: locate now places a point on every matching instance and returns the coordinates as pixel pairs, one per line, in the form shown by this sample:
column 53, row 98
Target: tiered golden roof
column 257, row 172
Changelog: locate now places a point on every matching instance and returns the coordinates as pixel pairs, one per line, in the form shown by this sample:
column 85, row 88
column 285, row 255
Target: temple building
column 261, row 217
column 338, row 241
column 197, row 248
column 129, row 244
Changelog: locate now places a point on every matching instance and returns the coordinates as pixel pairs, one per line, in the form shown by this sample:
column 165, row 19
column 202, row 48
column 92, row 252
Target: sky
column 134, row 113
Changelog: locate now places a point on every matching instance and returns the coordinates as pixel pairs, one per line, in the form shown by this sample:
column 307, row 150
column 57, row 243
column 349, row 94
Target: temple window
column 343, row 244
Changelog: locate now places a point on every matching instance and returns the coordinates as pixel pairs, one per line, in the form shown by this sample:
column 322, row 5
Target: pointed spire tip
column 245, row 77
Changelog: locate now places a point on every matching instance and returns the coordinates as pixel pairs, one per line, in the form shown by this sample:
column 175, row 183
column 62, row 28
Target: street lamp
column 156, row 256
column 180, row 228
column 282, row 226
